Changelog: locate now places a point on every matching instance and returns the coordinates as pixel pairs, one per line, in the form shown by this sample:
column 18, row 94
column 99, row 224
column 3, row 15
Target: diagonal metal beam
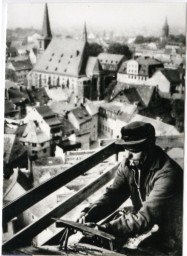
column 38, row 193
column 25, row 236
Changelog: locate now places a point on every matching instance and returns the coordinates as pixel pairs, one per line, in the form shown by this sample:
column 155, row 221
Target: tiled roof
column 48, row 115
column 146, row 93
column 62, row 56
column 120, row 110
column 147, row 61
column 38, row 95
column 60, row 107
column 110, row 58
column 22, row 65
column 53, row 121
column 93, row 66
column 135, row 93
column 91, row 108
column 81, row 115
column 172, row 75
column 33, row 134
column 45, row 111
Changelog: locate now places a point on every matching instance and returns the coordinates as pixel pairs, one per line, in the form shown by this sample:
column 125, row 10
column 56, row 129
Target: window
column 50, row 59
column 59, row 61
column 56, row 69
column 44, row 150
column 46, row 68
column 42, row 144
column 34, row 144
column 62, row 55
column 52, row 54
column 34, row 152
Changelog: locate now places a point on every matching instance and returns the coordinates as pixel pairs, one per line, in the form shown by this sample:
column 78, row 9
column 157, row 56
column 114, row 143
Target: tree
column 117, row 48
column 95, row 49
column 139, row 39
column 11, row 75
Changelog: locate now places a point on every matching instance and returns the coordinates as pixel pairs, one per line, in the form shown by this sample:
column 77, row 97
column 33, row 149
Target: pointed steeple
column 46, row 29
column 85, row 33
column 46, row 32
column 165, row 29
column 166, row 22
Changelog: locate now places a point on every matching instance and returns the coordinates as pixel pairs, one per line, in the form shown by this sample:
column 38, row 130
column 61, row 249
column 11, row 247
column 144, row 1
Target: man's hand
column 89, row 214
column 81, row 218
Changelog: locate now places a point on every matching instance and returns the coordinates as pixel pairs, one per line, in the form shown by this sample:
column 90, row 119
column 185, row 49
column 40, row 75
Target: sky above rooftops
column 119, row 17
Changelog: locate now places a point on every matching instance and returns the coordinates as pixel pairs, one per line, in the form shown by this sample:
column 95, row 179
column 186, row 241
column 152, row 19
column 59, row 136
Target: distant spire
column 165, row 30
column 46, row 29
column 85, row 32
column 166, row 22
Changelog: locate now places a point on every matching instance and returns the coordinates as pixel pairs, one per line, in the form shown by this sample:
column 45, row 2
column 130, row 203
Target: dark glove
column 89, row 214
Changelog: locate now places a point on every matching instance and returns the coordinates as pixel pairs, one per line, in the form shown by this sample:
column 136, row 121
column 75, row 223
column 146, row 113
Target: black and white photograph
column 93, row 121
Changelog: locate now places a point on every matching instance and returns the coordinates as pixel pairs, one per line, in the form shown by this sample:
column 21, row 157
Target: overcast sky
column 117, row 16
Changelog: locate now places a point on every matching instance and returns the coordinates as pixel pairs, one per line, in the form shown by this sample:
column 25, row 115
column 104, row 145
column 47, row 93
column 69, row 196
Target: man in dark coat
column 153, row 181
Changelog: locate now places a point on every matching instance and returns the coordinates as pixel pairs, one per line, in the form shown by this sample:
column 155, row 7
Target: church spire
column 46, row 29
column 46, row 32
column 165, row 30
column 85, row 33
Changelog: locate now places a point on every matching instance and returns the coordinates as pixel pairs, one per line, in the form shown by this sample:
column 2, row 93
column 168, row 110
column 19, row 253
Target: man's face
column 136, row 157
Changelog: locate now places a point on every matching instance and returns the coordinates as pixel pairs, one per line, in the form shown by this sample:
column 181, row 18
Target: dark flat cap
column 136, row 133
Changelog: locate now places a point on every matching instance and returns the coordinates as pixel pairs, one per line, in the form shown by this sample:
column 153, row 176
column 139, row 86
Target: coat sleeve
column 114, row 196
column 152, row 210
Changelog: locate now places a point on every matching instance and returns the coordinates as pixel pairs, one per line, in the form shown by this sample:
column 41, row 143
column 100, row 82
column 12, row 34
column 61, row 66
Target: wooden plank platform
column 77, row 249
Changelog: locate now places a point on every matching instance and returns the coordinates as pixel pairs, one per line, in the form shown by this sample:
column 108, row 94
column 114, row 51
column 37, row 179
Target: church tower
column 46, row 32
column 84, row 36
column 165, row 30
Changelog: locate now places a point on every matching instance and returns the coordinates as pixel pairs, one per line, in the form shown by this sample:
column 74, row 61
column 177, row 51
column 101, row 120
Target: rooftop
column 33, row 134
column 22, row 65
column 62, row 56
column 172, row 75
column 110, row 58
column 147, row 61
column 81, row 115
column 45, row 111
